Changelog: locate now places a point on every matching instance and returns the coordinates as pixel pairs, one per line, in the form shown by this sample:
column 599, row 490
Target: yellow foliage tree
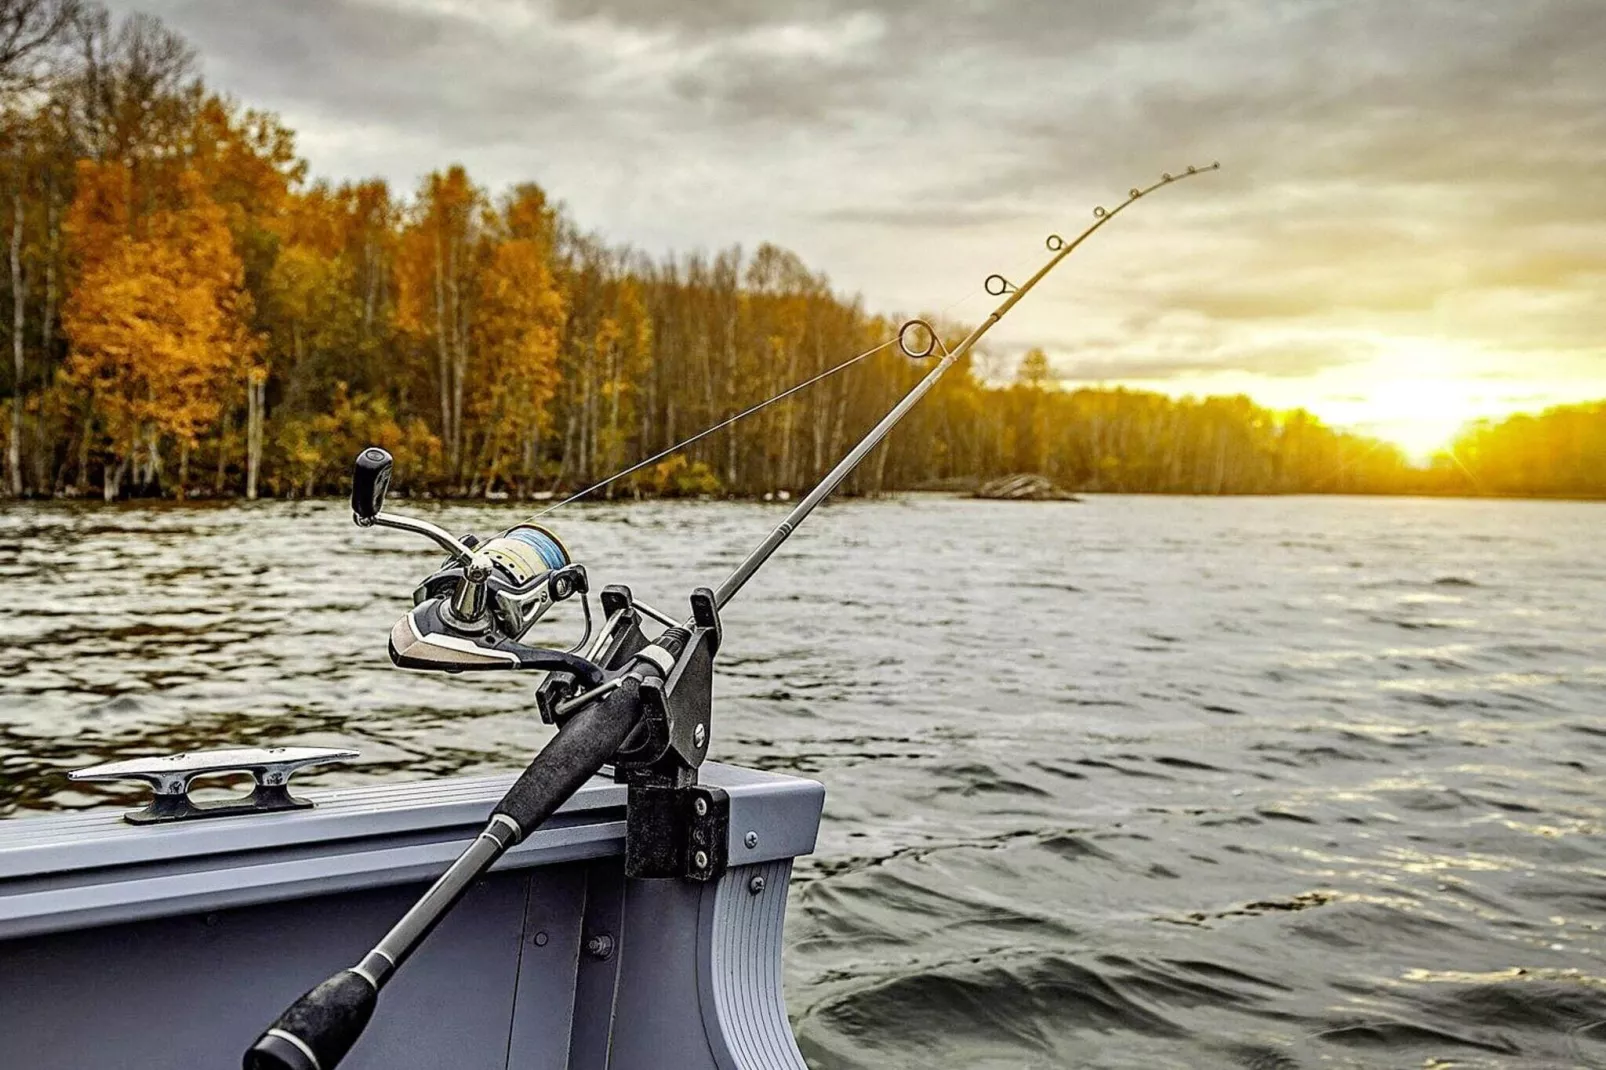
column 517, row 329
column 156, row 323
column 623, row 346
column 310, row 449
column 437, row 259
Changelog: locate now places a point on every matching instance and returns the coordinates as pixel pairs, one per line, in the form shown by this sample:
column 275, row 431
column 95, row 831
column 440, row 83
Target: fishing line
column 705, row 432
column 994, row 285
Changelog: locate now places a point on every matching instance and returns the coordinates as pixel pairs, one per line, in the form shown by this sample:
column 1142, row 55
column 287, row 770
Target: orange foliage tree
column 518, row 324
column 157, row 320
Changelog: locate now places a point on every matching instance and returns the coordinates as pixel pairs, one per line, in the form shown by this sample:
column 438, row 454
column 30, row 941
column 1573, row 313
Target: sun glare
column 1421, row 416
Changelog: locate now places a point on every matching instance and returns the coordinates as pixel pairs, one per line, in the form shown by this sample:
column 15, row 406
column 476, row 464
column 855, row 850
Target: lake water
column 1136, row 782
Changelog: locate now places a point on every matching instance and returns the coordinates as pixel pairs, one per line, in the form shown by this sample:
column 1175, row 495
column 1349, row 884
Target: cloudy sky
column 1409, row 227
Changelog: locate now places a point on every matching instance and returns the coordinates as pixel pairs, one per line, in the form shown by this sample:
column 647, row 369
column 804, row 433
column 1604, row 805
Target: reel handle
column 370, row 480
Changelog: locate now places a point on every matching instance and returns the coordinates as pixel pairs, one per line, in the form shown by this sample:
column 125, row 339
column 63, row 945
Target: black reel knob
column 370, row 480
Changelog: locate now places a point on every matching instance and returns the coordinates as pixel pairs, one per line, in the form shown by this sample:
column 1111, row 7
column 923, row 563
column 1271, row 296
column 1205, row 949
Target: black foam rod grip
column 370, row 479
column 587, row 740
column 318, row 1029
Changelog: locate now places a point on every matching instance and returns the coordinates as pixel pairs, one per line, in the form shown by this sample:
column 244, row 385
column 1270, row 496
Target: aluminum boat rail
column 165, row 947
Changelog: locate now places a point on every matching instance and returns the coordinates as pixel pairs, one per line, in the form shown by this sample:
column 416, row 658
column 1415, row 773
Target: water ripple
column 1141, row 782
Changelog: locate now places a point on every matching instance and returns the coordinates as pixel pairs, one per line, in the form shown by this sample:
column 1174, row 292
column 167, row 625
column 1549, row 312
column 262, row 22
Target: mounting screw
column 701, row 806
column 751, row 839
column 540, row 939
column 699, row 735
column 700, row 860
column 600, row 946
column 755, row 885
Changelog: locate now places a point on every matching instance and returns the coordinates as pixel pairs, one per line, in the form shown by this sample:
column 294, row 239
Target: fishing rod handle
column 317, row 1030
column 589, row 738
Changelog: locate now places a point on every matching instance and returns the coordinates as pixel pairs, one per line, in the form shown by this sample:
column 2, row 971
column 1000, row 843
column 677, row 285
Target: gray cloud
column 1429, row 169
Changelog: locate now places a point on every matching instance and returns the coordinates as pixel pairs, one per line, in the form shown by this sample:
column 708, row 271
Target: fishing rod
column 620, row 697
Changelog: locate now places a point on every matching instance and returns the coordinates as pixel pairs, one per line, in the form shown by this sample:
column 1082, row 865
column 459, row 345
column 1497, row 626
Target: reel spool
column 525, row 553
column 512, row 580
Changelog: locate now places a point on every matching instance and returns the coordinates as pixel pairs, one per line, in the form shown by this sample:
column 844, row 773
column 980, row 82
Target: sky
column 1408, row 229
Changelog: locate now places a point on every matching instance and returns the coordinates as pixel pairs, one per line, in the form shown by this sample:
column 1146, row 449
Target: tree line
column 189, row 313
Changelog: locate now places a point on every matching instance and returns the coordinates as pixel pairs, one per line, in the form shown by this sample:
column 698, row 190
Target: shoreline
column 209, row 501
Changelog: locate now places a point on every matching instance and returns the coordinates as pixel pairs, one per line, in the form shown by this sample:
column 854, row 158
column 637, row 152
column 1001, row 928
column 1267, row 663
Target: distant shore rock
column 1024, row 488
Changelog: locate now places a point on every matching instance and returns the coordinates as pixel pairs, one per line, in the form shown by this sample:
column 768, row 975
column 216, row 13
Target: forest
column 189, row 314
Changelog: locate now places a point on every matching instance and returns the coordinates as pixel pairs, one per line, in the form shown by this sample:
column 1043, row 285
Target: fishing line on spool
column 705, row 432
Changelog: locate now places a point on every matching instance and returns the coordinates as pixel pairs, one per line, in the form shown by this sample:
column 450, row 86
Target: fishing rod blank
column 996, row 285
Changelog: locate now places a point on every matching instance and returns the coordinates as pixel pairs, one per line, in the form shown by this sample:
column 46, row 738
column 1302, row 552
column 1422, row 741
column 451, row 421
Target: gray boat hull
column 170, row 947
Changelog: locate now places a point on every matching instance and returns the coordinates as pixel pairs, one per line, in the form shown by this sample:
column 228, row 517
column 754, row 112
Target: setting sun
column 1420, row 415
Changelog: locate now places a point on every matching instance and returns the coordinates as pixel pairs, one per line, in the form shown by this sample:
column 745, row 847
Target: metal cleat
column 171, row 776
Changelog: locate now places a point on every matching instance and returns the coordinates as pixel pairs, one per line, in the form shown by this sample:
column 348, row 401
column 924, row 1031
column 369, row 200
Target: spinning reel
column 473, row 612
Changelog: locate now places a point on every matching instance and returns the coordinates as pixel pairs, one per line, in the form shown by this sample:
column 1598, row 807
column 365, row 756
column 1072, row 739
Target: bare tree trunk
column 223, row 432
column 588, row 421
column 255, row 391
column 112, row 479
column 442, row 346
column 459, row 358
column 153, row 453
column 18, row 299
column 568, row 446
column 84, row 443
column 789, row 427
column 43, row 451
column 610, row 462
column 882, row 452
column 731, row 398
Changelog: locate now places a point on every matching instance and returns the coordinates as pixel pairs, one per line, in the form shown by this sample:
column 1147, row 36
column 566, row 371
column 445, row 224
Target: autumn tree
column 31, row 32
column 519, row 317
column 438, row 259
column 157, row 322
column 33, row 35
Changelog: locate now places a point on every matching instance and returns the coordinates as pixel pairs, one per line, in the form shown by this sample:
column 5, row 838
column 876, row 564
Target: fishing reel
column 473, row 612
